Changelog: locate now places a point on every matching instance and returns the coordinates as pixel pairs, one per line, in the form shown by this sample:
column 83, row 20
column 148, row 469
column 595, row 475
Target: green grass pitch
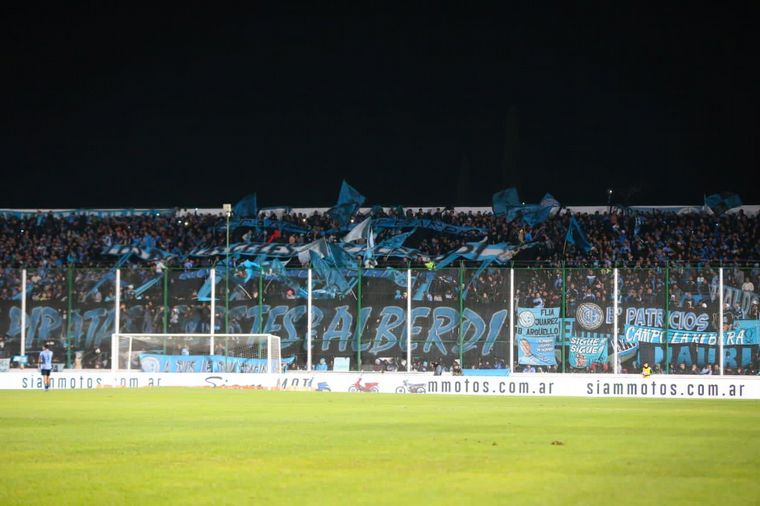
column 203, row 446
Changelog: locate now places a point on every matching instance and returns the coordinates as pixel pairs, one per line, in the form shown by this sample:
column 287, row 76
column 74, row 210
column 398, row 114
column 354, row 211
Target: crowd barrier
column 678, row 319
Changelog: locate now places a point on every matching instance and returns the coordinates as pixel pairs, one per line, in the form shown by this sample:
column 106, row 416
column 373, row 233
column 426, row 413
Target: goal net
column 240, row 353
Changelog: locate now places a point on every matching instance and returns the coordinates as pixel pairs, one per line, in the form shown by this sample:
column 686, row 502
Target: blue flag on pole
column 349, row 195
column 576, row 237
column 349, row 201
column 246, row 208
column 719, row 203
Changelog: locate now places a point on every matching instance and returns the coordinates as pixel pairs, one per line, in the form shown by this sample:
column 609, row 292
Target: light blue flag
column 342, row 213
column 719, row 203
column 397, row 240
column 505, row 199
column 349, row 195
column 246, row 208
column 475, row 277
column 533, row 215
column 349, row 202
column 330, row 276
column 360, row 231
column 576, row 237
column 549, row 201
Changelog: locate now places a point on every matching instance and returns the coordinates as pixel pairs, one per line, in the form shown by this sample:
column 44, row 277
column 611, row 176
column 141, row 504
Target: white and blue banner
column 154, row 362
column 538, row 322
column 435, row 225
column 143, row 253
column 537, row 332
column 536, row 351
column 585, row 351
column 745, row 334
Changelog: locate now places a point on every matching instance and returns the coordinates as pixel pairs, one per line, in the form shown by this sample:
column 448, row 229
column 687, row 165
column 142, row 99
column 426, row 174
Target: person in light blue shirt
column 46, row 365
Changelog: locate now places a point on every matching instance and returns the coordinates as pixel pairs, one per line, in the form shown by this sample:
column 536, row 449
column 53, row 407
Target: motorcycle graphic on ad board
column 366, row 387
column 412, row 388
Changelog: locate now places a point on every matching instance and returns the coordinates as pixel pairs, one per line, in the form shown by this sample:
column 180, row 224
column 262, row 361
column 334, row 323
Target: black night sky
column 424, row 106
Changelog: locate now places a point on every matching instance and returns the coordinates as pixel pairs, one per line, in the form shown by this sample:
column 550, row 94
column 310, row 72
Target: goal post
column 242, row 353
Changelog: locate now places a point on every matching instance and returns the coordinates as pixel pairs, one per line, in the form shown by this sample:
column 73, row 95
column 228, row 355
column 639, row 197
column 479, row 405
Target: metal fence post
column 359, row 323
column 720, row 318
column 666, row 321
column 69, row 299
column 22, row 350
column 461, row 314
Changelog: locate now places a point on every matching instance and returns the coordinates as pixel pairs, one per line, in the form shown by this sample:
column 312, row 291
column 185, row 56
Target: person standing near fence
column 46, row 365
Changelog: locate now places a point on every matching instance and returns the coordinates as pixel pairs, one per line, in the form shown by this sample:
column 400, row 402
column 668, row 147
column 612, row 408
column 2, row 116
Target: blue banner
column 538, row 322
column 585, row 351
column 270, row 224
column 154, row 362
column 435, row 225
column 480, row 252
column 334, row 327
column 282, row 250
column 141, row 253
column 745, row 334
column 536, row 351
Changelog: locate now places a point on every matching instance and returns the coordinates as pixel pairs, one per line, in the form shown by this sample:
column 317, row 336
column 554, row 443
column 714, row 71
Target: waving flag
column 246, row 208
column 719, row 203
column 360, row 231
column 576, row 236
column 349, row 201
column 505, row 199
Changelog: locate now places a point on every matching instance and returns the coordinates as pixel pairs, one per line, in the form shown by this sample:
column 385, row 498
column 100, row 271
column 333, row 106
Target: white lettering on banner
column 573, row 385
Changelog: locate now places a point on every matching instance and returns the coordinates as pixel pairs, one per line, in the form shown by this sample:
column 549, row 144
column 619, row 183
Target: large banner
column 690, row 347
column 536, row 351
column 590, row 316
column 538, row 322
column 537, row 334
column 585, row 351
column 153, row 362
column 746, row 334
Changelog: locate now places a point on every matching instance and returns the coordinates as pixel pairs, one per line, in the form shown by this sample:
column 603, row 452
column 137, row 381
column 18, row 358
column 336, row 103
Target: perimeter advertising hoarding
column 577, row 385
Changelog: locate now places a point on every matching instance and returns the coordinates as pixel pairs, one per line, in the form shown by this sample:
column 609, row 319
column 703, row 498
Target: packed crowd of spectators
column 693, row 245
column 642, row 240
